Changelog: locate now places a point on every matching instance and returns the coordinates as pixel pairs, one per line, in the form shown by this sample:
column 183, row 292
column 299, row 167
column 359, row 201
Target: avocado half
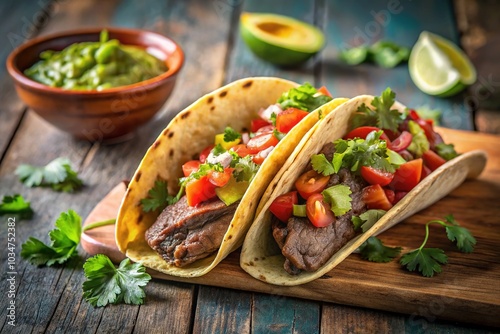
column 279, row 39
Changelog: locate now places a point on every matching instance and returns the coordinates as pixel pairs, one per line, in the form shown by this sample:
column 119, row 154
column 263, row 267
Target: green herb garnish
column 158, row 197
column 367, row 219
column 16, row 205
column 374, row 250
column 304, row 97
column 338, row 196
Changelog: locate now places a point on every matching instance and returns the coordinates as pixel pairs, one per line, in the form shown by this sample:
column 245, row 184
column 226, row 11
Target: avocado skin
column 273, row 53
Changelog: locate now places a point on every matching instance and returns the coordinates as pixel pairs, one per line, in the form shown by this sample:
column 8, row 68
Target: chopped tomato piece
column 402, row 142
column 376, row 176
column 290, row 117
column 258, row 123
column 199, row 190
column 261, row 142
column 220, row 179
column 432, row 160
column 425, row 172
column 311, row 182
column 375, row 198
column 241, row 149
column 318, row 211
column 282, row 206
column 205, row 153
column 407, row 176
column 363, row 131
column 391, row 195
column 259, row 158
column 323, row 90
column 190, row 166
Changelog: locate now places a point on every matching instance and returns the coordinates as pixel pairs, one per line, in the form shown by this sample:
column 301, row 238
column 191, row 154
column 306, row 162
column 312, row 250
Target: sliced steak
column 183, row 234
column 307, row 247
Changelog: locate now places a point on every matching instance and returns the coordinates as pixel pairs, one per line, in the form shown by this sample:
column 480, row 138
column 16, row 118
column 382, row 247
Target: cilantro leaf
column 382, row 116
column 338, row 198
column 304, row 97
column 464, row 239
column 278, row 135
column 374, row 250
column 107, row 284
column 321, row 164
column 218, row 150
column 16, row 205
column 65, row 239
column 446, row 151
column 426, row 260
column 367, row 219
column 354, row 153
column 57, row 174
column 419, row 143
column 245, row 169
column 231, row 135
column 158, row 197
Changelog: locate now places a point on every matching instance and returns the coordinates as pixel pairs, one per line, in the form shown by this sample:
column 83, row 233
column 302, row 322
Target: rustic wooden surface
column 50, row 299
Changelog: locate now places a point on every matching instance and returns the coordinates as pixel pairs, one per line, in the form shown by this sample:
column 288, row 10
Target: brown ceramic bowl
column 96, row 115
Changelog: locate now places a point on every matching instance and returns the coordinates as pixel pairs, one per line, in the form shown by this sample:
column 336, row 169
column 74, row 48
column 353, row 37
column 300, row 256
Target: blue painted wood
column 348, row 24
column 277, row 314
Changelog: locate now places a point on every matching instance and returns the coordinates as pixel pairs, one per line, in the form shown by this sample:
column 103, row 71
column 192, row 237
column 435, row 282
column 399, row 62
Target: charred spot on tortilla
column 229, row 237
column 256, row 259
column 210, row 99
column 156, row 144
column 222, row 94
column 138, row 176
column 171, row 152
column 212, row 108
column 165, row 132
column 263, row 278
column 171, row 134
column 139, row 219
column 247, row 84
column 186, row 114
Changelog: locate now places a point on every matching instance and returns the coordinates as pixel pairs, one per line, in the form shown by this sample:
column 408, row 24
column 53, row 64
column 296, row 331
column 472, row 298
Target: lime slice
column 280, row 39
column 439, row 67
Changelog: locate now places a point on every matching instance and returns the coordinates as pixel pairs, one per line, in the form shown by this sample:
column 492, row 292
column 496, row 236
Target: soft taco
column 362, row 169
column 195, row 192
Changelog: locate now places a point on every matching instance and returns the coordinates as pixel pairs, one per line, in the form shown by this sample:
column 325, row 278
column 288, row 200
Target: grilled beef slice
column 307, row 247
column 183, row 234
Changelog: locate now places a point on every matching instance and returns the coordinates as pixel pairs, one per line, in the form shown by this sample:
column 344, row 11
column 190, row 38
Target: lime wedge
column 439, row 67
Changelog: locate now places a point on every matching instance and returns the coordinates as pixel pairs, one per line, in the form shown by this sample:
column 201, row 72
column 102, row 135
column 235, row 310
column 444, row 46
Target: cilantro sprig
column 107, row 284
column 304, row 97
column 354, row 153
column 57, row 175
column 231, row 135
column 64, row 241
column 374, row 250
column 367, row 219
column 158, row 197
column 16, row 205
column 446, row 151
column 338, row 196
column 382, row 116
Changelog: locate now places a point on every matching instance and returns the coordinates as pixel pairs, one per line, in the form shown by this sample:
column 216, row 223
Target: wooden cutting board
column 468, row 289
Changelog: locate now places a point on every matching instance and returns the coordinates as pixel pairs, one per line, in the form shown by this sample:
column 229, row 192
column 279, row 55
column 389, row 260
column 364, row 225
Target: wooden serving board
column 468, row 289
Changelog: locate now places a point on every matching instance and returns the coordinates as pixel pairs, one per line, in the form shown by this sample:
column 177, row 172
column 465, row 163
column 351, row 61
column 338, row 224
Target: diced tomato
column 402, row 142
column 391, row 195
column 376, row 176
column 407, row 176
column 259, row 158
column 399, row 195
column 363, row 131
column 261, row 142
column 258, row 123
column 432, row 160
column 199, row 190
column 375, row 198
column 311, row 182
column 318, row 211
column 290, row 117
column 323, row 90
column 190, row 166
column 282, row 206
column 425, row 172
column 414, row 115
column 205, row 153
column 241, row 149
column 220, row 179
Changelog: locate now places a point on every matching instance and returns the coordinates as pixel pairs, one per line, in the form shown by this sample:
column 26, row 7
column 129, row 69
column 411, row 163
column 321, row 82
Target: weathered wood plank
column 365, row 22
column 279, row 314
column 219, row 311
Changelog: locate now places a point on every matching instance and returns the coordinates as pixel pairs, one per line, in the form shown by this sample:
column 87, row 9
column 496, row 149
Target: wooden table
column 50, row 299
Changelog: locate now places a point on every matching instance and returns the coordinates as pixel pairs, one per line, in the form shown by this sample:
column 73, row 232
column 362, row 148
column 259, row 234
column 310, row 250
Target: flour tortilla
column 261, row 256
column 192, row 130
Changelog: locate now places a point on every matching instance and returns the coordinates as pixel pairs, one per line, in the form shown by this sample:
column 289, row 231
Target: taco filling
column 353, row 181
column 193, row 224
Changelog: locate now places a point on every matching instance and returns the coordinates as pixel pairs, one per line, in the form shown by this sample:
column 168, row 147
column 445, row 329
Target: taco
column 195, row 192
column 363, row 168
